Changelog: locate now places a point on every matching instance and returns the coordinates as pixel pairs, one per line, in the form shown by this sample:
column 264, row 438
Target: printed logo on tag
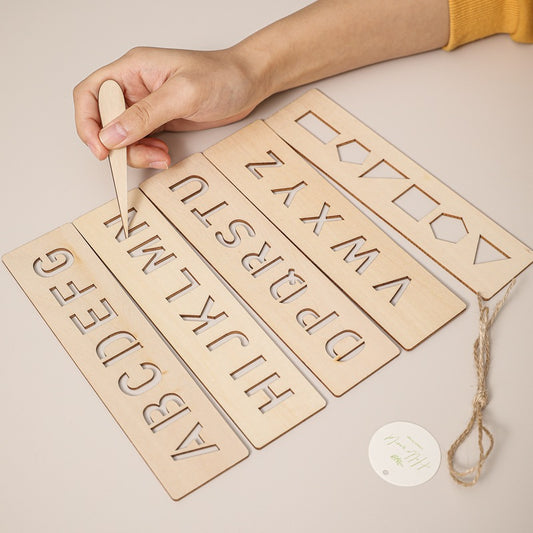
column 404, row 454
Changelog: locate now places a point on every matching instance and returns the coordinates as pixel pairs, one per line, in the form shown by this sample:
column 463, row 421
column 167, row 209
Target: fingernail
column 161, row 165
column 112, row 135
column 94, row 150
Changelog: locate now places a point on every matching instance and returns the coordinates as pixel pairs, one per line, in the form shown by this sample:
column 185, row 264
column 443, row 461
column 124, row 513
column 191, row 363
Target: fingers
column 172, row 89
column 87, row 115
column 149, row 153
column 143, row 117
column 145, row 153
column 88, row 122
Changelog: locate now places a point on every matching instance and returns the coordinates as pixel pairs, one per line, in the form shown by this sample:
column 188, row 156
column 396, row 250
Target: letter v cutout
column 402, row 285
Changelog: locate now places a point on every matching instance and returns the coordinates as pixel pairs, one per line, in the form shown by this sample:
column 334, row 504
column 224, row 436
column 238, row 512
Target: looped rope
column 482, row 362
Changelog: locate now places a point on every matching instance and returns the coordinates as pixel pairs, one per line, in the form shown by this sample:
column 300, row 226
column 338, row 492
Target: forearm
column 333, row 36
column 179, row 90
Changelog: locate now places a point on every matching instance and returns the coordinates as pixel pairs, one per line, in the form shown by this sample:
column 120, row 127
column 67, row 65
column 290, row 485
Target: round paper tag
column 404, row 454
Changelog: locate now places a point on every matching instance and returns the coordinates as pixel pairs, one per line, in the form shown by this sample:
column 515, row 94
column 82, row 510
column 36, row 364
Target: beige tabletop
column 65, row 464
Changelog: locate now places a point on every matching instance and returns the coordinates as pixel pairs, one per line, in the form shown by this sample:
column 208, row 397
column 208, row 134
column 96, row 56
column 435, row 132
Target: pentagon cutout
column 245, row 371
column 372, row 181
column 178, row 432
column 352, row 152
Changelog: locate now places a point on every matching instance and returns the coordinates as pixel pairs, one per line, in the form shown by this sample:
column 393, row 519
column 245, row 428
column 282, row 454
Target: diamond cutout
column 384, row 171
column 416, row 203
column 449, row 228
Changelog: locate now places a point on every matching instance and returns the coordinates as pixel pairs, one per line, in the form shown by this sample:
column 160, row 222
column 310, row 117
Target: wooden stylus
column 111, row 104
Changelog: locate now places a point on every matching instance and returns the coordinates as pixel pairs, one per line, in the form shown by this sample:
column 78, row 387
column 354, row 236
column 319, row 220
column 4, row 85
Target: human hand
column 166, row 90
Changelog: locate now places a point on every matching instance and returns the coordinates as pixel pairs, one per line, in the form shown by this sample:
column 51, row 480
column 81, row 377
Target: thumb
column 141, row 119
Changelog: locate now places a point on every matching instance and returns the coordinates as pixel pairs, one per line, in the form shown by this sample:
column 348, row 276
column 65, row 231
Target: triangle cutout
column 383, row 170
column 487, row 252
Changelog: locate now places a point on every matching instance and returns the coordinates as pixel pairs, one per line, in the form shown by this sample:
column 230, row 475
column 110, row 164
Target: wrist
column 258, row 65
column 288, row 53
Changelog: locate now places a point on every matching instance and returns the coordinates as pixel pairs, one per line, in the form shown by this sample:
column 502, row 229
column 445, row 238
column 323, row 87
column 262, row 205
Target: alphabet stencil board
column 327, row 282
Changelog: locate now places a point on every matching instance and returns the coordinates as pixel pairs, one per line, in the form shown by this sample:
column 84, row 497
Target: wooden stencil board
column 445, row 226
column 395, row 290
column 170, row 421
column 245, row 371
column 311, row 315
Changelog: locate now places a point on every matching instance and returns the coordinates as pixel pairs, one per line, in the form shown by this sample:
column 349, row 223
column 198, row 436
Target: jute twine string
column 470, row 476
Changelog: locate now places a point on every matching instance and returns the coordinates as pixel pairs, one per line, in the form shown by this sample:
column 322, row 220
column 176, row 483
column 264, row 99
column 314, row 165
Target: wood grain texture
column 170, row 421
column 338, row 342
column 395, row 290
column 111, row 104
column 251, row 378
column 383, row 194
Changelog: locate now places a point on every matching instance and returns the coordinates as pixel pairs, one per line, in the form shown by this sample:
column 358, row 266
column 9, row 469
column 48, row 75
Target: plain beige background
column 66, row 466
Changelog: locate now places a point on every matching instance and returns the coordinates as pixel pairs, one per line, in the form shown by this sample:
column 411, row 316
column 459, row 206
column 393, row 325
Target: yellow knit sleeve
column 474, row 19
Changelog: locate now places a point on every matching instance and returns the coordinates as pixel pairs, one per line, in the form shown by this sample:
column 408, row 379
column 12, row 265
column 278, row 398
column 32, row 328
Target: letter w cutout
column 354, row 254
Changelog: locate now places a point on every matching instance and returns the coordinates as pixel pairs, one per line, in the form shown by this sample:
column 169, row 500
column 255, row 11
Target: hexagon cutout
column 352, row 152
column 450, row 228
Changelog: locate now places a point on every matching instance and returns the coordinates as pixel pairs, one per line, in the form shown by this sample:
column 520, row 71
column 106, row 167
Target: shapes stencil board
column 380, row 176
